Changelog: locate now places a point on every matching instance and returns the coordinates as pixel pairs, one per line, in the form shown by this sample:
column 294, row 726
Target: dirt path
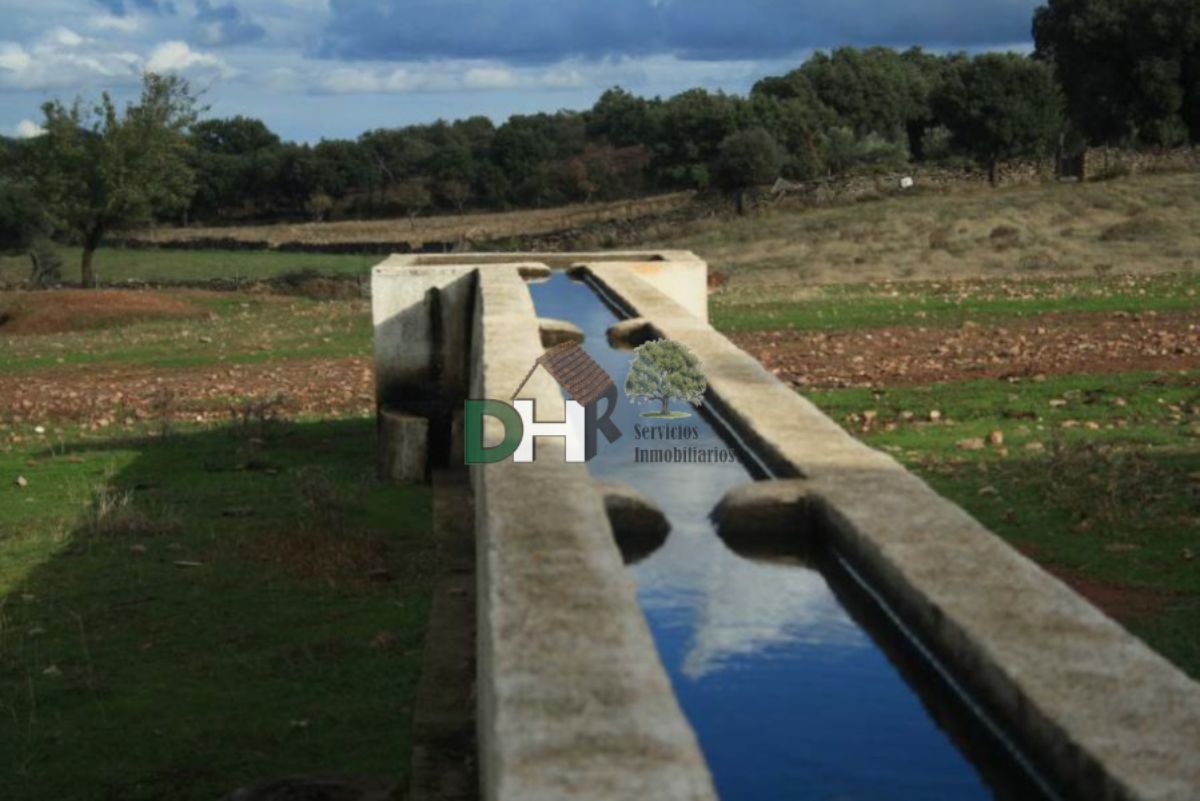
column 1052, row 344
column 103, row 395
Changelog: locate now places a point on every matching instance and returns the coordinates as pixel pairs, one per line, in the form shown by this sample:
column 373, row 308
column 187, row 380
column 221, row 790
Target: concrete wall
column 1103, row 713
column 573, row 701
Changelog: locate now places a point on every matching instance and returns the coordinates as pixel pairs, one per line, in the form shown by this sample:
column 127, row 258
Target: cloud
column 445, row 76
column 109, row 22
column 534, row 31
column 62, row 58
column 120, row 8
column 224, row 25
column 178, row 56
column 28, row 129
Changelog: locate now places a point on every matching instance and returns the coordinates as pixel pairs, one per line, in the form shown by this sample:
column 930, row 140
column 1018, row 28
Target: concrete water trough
column 575, row 700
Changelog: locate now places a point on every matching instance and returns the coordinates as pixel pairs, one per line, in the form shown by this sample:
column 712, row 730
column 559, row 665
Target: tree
column 1127, row 66
column 747, row 159
column 1001, row 106
column 97, row 169
column 412, row 197
column 663, row 371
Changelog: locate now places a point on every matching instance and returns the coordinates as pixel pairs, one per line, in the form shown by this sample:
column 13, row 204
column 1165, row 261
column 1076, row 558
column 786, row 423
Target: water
column 789, row 696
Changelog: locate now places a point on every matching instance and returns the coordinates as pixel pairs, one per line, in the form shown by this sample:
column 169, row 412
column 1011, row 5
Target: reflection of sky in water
column 790, row 699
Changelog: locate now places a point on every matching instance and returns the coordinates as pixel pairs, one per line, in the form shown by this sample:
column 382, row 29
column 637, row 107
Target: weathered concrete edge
column 677, row 273
column 573, row 700
column 1111, row 718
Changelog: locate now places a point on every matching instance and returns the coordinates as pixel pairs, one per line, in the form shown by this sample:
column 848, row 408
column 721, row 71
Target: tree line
column 1122, row 73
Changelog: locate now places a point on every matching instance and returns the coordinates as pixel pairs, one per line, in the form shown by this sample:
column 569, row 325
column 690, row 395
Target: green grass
column 1116, row 501
column 239, row 329
column 114, row 265
column 181, row 615
column 950, row 304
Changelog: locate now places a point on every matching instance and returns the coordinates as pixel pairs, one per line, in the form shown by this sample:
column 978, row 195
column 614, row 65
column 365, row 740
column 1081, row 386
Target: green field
column 845, row 306
column 1097, row 476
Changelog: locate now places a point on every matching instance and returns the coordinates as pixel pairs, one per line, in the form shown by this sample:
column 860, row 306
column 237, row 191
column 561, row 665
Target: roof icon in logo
column 574, row 370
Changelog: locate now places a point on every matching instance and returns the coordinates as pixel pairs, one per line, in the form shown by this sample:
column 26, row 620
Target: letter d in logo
column 514, row 431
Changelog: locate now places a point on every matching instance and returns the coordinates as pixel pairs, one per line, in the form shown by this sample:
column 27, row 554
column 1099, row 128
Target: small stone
column 996, row 438
column 52, row 671
column 989, row 491
column 1036, row 447
column 971, row 444
column 1092, row 425
column 137, row 549
column 206, row 340
column 1057, row 403
column 934, row 415
column 39, row 430
column 1120, row 402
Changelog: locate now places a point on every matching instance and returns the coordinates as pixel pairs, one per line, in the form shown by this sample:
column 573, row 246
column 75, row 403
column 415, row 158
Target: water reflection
column 788, row 696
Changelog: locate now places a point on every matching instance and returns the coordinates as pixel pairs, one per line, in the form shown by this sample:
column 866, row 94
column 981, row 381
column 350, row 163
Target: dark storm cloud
column 539, row 31
column 118, row 8
column 225, row 25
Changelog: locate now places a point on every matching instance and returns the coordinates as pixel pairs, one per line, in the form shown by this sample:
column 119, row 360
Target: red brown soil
column 76, row 309
column 1052, row 344
column 103, row 395
column 1121, row 603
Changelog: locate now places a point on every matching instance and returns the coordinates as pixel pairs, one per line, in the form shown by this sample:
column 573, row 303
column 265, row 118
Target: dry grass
column 81, row 310
column 439, row 229
column 1138, row 225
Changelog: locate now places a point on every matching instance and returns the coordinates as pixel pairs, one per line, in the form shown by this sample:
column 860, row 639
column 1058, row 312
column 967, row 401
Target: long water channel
column 796, row 684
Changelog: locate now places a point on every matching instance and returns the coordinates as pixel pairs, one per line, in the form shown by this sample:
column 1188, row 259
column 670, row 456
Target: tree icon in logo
column 664, row 371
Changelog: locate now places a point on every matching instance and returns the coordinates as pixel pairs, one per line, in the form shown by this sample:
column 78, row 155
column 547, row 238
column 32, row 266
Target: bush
column 45, row 264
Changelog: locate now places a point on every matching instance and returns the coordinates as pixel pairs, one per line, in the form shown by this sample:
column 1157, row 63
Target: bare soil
column 1052, row 344
column 104, row 395
column 78, row 310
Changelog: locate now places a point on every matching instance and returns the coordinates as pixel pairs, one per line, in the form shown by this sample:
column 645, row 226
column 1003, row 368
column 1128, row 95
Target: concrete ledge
column 639, row 526
column 555, row 332
column 1105, row 715
column 573, row 701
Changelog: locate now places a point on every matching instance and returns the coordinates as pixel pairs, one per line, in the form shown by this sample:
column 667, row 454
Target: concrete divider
column 1101, row 713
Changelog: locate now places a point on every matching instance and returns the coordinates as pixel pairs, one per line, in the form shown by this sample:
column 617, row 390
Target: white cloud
column 28, row 129
column 13, row 57
column 65, row 37
column 489, row 78
column 108, row 22
column 177, row 56
column 62, row 58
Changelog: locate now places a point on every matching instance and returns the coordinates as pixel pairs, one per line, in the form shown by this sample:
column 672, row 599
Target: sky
column 314, row 69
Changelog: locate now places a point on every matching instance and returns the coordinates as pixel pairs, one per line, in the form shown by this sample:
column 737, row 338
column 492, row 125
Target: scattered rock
column 989, row 491
column 934, row 415
column 52, row 671
column 971, row 444
column 1036, row 447
column 996, row 438
column 22, row 482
